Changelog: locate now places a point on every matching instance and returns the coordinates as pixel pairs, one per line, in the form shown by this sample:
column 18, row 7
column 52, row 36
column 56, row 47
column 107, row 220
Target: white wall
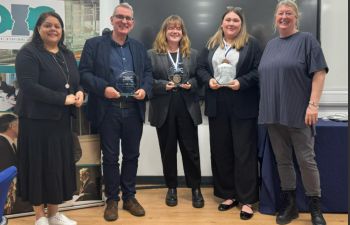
column 334, row 41
column 106, row 10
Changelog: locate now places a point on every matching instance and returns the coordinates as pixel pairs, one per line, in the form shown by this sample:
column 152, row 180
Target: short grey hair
column 124, row 5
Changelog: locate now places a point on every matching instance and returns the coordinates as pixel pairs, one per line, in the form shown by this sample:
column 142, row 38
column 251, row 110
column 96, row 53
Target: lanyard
column 227, row 48
column 175, row 64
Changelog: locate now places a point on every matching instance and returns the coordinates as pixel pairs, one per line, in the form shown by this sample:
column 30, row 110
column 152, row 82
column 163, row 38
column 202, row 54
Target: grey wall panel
column 202, row 17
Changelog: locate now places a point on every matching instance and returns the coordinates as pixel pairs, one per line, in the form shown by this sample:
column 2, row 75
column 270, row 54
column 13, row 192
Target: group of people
column 280, row 86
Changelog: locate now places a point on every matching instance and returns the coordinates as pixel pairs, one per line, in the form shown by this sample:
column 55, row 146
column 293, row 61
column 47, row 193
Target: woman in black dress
column 49, row 93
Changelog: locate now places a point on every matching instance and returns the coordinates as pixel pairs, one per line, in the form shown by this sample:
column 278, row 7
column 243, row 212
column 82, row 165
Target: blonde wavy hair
column 160, row 45
column 241, row 38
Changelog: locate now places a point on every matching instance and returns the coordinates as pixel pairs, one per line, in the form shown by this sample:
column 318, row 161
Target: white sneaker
column 42, row 221
column 60, row 219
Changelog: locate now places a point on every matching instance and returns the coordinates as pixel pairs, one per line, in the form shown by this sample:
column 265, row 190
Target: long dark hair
column 36, row 39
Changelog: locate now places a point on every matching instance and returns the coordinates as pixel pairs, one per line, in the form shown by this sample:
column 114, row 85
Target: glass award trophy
column 225, row 73
column 126, row 83
column 176, row 76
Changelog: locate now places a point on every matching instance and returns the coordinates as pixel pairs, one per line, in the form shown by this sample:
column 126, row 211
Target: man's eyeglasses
column 122, row 17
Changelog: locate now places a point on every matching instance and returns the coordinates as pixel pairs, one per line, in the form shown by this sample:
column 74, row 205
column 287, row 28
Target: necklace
column 65, row 75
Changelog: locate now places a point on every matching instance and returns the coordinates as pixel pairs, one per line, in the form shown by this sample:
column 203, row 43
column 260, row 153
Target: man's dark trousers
column 120, row 125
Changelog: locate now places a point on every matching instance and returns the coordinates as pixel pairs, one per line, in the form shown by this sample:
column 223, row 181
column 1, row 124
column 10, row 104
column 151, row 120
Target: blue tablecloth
column 331, row 147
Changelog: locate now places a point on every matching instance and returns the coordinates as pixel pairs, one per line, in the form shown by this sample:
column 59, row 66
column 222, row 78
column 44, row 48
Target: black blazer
column 160, row 100
column 42, row 91
column 245, row 101
column 96, row 76
column 7, row 155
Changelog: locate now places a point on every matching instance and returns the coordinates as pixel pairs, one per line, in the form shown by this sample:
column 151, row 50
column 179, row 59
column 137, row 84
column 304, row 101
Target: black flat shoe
column 246, row 216
column 224, row 207
column 171, row 197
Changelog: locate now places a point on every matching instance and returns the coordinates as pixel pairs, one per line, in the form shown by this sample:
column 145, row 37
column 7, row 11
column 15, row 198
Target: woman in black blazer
column 48, row 95
column 174, row 106
column 228, row 69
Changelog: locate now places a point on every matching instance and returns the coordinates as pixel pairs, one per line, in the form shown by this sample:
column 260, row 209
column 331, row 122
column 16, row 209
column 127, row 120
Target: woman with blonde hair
column 228, row 69
column 174, row 106
column 292, row 73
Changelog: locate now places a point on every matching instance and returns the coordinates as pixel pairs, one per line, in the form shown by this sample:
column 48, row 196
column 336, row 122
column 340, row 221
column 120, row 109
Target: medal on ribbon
column 175, row 73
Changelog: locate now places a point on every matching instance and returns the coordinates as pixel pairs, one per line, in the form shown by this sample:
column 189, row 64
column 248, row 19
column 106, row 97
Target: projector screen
column 202, row 18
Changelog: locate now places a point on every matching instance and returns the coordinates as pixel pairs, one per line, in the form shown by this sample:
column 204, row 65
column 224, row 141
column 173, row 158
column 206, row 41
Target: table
column 331, row 148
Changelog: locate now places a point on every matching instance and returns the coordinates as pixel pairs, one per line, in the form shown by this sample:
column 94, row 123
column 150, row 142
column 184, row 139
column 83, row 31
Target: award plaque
column 126, row 83
column 176, row 76
column 225, row 73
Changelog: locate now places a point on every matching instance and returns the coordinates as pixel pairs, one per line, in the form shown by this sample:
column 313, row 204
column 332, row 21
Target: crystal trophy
column 225, row 73
column 126, row 83
column 176, row 76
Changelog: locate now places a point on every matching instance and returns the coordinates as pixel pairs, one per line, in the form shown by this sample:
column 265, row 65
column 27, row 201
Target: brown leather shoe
column 111, row 210
column 134, row 207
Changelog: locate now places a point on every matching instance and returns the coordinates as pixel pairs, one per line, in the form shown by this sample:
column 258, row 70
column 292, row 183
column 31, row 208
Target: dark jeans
column 123, row 125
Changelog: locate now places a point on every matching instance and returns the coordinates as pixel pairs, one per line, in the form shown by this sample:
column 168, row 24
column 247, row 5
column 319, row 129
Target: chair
column 6, row 177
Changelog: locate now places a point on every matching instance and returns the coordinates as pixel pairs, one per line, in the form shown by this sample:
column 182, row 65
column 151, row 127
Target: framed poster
column 88, row 183
column 8, row 91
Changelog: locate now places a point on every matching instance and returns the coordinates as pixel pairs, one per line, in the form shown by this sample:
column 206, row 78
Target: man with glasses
column 117, row 74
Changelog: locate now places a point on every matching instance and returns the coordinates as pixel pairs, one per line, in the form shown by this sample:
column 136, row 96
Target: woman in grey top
column 292, row 73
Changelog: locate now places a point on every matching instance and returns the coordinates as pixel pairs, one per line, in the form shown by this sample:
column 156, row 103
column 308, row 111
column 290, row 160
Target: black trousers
column 179, row 128
column 233, row 144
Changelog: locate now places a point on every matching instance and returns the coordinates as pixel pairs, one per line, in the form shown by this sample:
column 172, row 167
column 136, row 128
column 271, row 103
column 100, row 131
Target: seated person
column 88, row 189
